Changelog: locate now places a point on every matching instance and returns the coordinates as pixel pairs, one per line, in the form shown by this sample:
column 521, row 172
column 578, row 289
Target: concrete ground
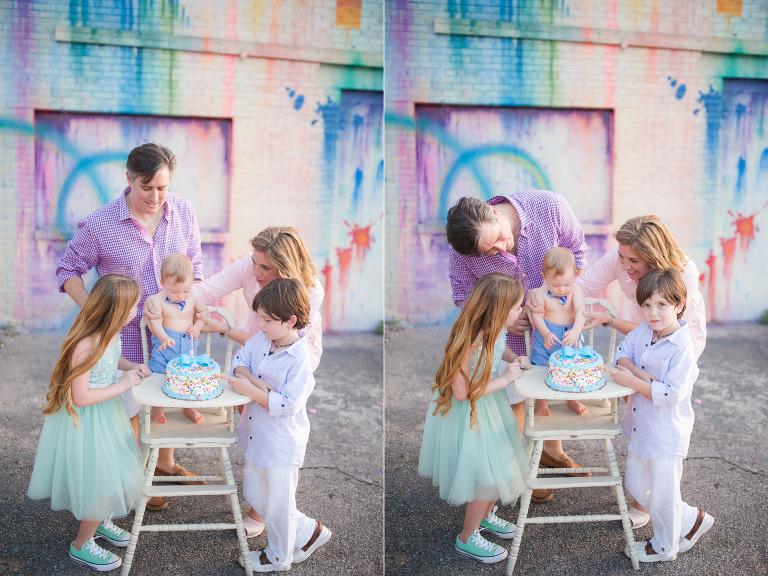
column 726, row 473
column 341, row 483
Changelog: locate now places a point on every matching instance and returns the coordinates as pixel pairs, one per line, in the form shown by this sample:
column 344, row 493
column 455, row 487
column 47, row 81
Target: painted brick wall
column 287, row 71
column 688, row 140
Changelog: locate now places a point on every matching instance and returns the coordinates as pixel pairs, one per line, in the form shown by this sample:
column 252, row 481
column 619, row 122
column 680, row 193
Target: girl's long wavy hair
column 484, row 313
column 653, row 242
column 104, row 314
column 285, row 249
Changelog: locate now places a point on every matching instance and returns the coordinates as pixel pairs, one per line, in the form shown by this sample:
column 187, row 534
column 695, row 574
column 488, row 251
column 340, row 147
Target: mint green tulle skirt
column 485, row 464
column 94, row 470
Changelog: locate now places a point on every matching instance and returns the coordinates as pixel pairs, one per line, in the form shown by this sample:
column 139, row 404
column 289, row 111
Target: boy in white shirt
column 274, row 370
column 658, row 362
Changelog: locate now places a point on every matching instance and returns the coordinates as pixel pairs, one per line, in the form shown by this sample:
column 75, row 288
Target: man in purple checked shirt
column 131, row 236
column 511, row 234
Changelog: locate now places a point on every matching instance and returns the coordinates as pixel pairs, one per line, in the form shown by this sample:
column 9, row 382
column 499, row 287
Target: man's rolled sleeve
column 79, row 257
column 677, row 384
column 293, row 396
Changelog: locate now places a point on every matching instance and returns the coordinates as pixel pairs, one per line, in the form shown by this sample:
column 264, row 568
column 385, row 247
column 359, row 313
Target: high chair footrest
column 170, row 490
column 570, row 519
column 568, row 482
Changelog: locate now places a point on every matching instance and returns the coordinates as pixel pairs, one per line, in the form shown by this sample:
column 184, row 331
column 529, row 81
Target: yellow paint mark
column 348, row 14
column 729, row 9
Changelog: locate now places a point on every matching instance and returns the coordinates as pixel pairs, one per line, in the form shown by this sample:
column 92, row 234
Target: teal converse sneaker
column 91, row 554
column 114, row 534
column 480, row 549
column 497, row 526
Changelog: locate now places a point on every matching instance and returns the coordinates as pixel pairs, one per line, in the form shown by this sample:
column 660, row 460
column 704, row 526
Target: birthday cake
column 575, row 370
column 192, row 378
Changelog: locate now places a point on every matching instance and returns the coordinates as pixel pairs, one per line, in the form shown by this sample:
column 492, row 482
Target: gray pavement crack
column 734, row 464
column 340, row 471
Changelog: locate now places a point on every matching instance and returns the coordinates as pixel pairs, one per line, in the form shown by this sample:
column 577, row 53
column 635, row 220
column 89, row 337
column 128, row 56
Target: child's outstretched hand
column 571, row 338
column 130, row 379
column 194, row 331
column 523, row 361
column 513, row 372
column 169, row 343
column 239, row 384
column 550, row 340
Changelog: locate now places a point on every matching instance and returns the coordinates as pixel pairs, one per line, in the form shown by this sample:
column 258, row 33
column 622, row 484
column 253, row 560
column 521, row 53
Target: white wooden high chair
column 600, row 423
column 216, row 431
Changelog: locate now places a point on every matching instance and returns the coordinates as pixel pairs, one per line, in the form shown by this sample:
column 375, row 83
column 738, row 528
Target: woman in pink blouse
column 278, row 252
column 644, row 244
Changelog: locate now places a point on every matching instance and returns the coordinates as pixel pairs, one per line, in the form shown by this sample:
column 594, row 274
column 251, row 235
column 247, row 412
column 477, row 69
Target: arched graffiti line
column 469, row 158
column 84, row 167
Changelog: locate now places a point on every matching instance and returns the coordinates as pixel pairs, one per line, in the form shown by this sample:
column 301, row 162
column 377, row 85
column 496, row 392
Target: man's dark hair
column 463, row 227
column 148, row 159
column 282, row 298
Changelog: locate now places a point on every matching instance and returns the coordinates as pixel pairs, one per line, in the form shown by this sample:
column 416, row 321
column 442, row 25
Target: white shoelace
column 495, row 520
column 481, row 542
column 109, row 526
column 97, row 550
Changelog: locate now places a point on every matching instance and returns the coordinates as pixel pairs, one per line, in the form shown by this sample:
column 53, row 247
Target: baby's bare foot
column 577, row 407
column 158, row 415
column 194, row 415
column 541, row 408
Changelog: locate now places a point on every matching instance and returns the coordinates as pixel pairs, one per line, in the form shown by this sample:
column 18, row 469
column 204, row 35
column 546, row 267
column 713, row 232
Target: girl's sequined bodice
column 498, row 350
column 103, row 372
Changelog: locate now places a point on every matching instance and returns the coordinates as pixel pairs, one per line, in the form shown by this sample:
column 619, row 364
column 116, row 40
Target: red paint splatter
column 745, row 227
column 729, row 251
column 361, row 238
column 327, row 273
column 711, row 261
column 345, row 259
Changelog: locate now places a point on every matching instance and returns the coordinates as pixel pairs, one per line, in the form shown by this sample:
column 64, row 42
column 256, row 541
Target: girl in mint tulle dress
column 471, row 446
column 87, row 460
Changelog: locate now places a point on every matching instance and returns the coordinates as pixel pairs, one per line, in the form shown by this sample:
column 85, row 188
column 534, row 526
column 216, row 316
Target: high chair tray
column 532, row 385
column 149, row 393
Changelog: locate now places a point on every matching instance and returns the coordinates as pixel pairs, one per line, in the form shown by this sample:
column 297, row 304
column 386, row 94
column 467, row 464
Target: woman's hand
column 194, row 331
column 212, row 325
column 595, row 319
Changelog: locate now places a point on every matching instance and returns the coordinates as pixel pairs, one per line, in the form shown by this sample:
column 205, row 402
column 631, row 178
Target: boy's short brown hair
column 558, row 259
column 283, row 298
column 177, row 267
column 668, row 283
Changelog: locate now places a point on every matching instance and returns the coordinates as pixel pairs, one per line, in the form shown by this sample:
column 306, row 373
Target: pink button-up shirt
column 546, row 221
column 608, row 269
column 240, row 275
column 111, row 241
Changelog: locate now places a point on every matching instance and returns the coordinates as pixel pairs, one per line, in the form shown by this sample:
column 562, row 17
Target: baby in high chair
column 178, row 331
column 563, row 318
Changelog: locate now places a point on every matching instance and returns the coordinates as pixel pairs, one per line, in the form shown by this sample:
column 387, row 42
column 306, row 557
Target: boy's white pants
column 655, row 484
column 272, row 493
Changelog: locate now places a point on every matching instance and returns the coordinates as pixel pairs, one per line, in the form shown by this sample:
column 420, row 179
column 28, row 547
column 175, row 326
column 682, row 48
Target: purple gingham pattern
column 111, row 241
column 546, row 221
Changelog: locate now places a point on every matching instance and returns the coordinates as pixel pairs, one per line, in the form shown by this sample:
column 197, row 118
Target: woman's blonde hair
column 104, row 314
column 485, row 311
column 653, row 242
column 285, row 249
